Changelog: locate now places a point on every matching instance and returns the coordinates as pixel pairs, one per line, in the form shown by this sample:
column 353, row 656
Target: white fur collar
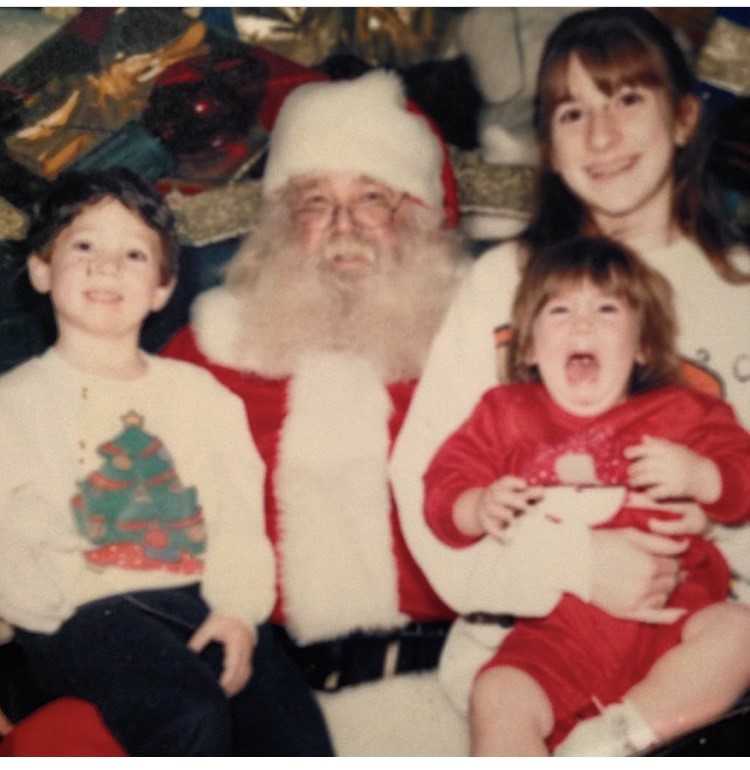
column 216, row 320
column 332, row 489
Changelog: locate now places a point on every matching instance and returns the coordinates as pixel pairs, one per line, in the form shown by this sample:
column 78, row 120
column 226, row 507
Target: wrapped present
column 393, row 37
column 205, row 111
column 131, row 147
column 79, row 109
column 724, row 60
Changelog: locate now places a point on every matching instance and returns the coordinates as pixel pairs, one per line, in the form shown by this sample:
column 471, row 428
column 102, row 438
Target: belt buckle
column 332, row 682
column 503, row 620
column 390, row 658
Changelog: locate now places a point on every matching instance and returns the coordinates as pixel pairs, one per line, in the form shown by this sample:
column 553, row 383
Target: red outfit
column 266, row 407
column 67, row 727
column 579, row 653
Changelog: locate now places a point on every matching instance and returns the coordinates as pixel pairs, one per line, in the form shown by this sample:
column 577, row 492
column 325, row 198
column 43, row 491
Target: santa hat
column 363, row 126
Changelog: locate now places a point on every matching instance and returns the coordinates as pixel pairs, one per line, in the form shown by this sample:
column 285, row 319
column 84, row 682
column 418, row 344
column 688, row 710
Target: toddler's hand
column 500, row 503
column 665, row 469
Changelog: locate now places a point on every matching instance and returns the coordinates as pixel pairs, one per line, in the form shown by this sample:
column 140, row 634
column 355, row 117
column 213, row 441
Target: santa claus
column 322, row 327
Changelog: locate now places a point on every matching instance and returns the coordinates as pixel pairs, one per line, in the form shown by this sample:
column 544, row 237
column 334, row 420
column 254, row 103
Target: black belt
column 490, row 618
column 361, row 657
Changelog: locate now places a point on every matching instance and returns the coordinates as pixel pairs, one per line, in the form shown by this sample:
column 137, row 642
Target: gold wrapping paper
column 724, row 60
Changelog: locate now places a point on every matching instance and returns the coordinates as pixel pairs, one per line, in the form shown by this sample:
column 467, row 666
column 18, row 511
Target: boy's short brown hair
column 73, row 191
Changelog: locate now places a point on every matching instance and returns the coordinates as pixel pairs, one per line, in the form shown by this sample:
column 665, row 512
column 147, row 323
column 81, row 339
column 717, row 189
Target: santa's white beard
column 295, row 303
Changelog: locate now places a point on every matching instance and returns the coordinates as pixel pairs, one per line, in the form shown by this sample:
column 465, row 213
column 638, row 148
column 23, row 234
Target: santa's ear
column 39, row 273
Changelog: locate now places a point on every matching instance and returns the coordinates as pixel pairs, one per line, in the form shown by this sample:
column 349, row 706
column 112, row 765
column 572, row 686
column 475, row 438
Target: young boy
column 137, row 568
column 592, row 434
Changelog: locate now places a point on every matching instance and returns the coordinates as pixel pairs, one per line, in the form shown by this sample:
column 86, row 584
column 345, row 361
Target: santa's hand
column 238, row 640
column 665, row 469
column 500, row 503
column 634, row 574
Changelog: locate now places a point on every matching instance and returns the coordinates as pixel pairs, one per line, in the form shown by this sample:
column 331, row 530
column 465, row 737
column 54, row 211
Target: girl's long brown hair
column 628, row 46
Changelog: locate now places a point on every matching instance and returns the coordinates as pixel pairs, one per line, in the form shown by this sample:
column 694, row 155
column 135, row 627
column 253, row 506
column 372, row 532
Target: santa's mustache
column 348, row 247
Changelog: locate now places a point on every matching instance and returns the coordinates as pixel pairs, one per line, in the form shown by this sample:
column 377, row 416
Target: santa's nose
column 341, row 219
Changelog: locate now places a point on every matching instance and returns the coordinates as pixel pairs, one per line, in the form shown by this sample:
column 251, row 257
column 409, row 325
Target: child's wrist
column 706, row 481
column 466, row 513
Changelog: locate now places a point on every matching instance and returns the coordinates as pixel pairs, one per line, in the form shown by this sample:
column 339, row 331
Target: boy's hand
column 5, row 724
column 499, row 503
column 665, row 469
column 239, row 642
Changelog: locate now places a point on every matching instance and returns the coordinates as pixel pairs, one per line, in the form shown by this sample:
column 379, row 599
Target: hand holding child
column 238, row 640
column 665, row 469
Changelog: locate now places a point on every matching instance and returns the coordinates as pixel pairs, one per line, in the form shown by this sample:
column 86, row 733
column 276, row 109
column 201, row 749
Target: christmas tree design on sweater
column 135, row 510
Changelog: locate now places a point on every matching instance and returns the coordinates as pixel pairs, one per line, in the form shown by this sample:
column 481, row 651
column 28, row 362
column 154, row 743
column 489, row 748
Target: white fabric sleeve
column 238, row 577
column 39, row 564
column 462, row 364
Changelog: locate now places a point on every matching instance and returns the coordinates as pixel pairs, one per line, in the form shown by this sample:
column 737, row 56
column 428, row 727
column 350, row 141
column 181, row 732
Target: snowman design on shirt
column 584, row 477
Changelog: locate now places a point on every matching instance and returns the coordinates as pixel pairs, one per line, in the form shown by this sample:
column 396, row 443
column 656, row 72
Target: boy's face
column 104, row 272
column 585, row 342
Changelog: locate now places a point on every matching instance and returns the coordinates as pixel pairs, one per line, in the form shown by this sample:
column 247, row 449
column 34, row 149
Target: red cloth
column 66, row 727
column 578, row 653
column 265, row 406
column 519, row 430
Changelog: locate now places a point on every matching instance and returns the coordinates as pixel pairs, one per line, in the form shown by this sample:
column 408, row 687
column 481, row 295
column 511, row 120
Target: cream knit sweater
column 54, row 418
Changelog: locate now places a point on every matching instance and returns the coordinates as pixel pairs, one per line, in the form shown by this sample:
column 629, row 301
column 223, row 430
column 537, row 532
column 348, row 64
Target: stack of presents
column 188, row 98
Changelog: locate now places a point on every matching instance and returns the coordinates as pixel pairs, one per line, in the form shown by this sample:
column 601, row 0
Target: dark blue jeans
column 127, row 654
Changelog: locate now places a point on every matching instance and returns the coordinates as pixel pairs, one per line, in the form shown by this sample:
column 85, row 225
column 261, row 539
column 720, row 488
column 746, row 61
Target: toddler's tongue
column 581, row 367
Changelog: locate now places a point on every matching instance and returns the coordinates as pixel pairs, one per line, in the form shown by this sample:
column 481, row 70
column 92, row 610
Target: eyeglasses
column 367, row 211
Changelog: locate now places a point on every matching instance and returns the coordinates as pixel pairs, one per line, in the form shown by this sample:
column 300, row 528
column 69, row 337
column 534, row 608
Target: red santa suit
column 325, row 435
column 578, row 653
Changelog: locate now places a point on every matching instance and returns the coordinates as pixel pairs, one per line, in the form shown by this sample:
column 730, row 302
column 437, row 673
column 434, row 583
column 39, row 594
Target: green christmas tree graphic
column 134, row 508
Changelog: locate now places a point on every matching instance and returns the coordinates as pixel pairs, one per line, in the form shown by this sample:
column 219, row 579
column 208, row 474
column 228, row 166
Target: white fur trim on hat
column 360, row 126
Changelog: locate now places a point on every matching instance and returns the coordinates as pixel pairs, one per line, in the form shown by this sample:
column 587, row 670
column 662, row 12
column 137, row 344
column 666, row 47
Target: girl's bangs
column 611, row 65
column 613, row 278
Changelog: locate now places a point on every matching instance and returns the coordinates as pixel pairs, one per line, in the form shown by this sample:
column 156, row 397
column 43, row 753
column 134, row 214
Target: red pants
column 579, row 654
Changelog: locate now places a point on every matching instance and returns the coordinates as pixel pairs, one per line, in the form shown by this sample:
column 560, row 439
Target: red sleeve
column 722, row 439
column 472, row 457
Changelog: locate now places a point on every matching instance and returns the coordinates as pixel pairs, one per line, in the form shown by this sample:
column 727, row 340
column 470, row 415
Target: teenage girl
column 623, row 156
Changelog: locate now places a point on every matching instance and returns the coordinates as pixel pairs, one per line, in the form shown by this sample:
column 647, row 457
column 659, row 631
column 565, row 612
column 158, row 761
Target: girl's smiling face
column 585, row 343
column 616, row 151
